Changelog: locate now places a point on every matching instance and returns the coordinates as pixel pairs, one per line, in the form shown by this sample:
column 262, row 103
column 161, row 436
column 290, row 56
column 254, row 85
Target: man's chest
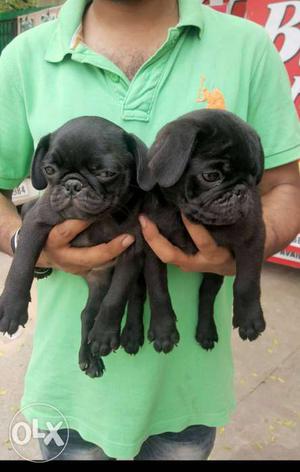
column 128, row 60
column 163, row 88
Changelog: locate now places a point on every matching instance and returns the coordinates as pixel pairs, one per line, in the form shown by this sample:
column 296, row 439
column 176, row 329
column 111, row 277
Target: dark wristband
column 39, row 272
column 42, row 272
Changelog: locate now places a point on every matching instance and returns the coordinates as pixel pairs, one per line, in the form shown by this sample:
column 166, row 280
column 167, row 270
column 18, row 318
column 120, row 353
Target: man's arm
column 280, row 189
column 58, row 252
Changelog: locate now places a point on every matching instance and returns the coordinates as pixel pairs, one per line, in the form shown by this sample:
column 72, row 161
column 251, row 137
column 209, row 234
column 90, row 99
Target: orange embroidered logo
column 214, row 98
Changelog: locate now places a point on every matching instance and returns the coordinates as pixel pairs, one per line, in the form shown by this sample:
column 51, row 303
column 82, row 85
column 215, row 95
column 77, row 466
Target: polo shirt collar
column 191, row 14
column 70, row 18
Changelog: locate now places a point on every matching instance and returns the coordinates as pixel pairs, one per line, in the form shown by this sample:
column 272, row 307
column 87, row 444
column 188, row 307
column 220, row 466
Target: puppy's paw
column 132, row 338
column 93, row 366
column 103, row 342
column 164, row 337
column 13, row 313
column 250, row 323
column 207, row 335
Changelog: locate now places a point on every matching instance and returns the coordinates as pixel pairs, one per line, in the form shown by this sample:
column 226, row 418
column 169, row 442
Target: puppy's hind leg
column 162, row 330
column 247, row 310
column 105, row 334
column 98, row 283
column 206, row 333
column 132, row 337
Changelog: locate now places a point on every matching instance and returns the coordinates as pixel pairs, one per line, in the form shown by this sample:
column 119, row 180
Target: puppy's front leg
column 247, row 311
column 16, row 294
column 162, row 332
column 105, row 334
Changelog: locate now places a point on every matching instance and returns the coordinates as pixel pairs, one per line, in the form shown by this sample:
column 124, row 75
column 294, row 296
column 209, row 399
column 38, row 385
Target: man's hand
column 59, row 254
column 209, row 258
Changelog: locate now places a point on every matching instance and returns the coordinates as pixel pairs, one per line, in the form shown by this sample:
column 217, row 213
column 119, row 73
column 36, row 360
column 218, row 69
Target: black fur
column 207, row 165
column 185, row 156
column 88, row 170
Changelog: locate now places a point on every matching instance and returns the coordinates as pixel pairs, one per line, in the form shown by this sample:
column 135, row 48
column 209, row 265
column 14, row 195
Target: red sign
column 236, row 7
column 219, row 5
column 290, row 256
column 282, row 21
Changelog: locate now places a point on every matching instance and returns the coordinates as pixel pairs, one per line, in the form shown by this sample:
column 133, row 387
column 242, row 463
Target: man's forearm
column 281, row 210
column 10, row 221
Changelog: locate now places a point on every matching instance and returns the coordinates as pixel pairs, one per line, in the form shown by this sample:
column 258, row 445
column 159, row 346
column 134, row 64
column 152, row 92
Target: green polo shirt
column 208, row 60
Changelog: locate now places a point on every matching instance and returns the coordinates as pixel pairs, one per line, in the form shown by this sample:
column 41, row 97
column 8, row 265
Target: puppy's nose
column 73, row 186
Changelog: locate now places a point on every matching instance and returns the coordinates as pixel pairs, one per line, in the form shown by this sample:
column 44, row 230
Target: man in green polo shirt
column 140, row 64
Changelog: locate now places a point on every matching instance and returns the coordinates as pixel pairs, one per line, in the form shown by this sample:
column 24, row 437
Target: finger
column 199, row 234
column 96, row 256
column 165, row 250
column 196, row 263
column 63, row 233
column 200, row 263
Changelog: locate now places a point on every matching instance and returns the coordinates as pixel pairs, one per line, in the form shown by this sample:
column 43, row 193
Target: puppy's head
column 207, row 163
column 89, row 166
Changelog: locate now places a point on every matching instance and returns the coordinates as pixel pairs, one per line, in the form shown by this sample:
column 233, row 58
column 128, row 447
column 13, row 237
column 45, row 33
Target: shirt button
column 114, row 77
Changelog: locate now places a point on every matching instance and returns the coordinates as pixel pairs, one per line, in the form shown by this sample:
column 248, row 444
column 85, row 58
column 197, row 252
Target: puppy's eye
column 107, row 174
column 212, row 176
column 49, row 170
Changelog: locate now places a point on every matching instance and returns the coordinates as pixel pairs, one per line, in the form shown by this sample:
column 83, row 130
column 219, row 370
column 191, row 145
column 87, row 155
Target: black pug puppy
column 88, row 170
column 207, row 165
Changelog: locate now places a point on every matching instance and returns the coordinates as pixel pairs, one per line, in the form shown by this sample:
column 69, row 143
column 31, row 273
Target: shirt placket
column 144, row 87
column 136, row 97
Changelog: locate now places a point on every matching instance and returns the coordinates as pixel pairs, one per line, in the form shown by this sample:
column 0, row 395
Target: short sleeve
column 16, row 144
column 271, row 109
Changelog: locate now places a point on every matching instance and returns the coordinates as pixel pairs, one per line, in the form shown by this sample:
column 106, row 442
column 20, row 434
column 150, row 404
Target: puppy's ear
column 37, row 177
column 170, row 152
column 140, row 152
